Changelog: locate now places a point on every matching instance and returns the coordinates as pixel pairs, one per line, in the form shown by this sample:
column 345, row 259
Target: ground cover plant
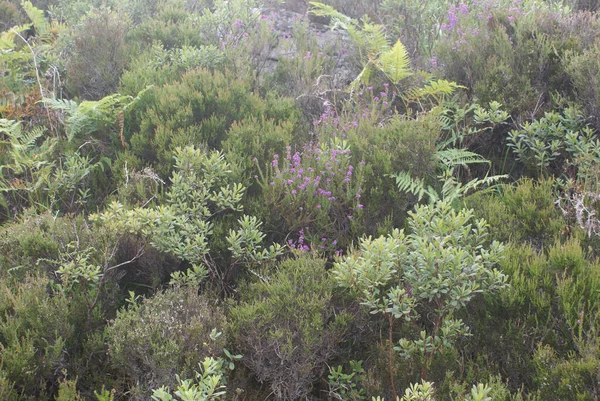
column 208, row 200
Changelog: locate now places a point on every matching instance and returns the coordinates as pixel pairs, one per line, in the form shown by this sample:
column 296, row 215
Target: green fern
column 90, row 117
column 450, row 158
column 38, row 20
column 437, row 89
column 395, row 63
column 373, row 46
column 451, row 188
column 412, row 185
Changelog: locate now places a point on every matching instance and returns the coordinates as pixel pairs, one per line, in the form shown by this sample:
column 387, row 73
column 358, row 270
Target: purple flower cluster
column 315, row 174
column 323, row 244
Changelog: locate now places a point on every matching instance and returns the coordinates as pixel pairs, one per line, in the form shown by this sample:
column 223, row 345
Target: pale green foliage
column 451, row 188
column 90, row 117
column 374, row 49
column 436, row 90
column 207, row 386
column 395, row 63
column 425, row 391
column 377, row 54
column 77, row 268
column 437, row 269
column 183, row 226
column 30, row 175
column 28, row 165
column 38, row 21
column 346, row 386
column 449, row 157
column 473, row 119
column 543, row 142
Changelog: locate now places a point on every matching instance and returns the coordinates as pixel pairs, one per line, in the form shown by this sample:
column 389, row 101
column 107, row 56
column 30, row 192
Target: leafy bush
column 556, row 143
column 184, row 226
column 199, row 109
column 522, row 212
column 99, row 55
column 164, row 335
column 316, row 194
column 35, row 331
column 434, row 271
column 288, row 328
column 584, row 71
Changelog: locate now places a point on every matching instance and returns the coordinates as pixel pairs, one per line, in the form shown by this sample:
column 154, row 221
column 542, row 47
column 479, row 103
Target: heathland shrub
column 199, row 109
column 155, row 339
column 317, row 195
column 98, row 55
column 424, row 277
column 584, row 72
column 551, row 304
column 512, row 53
column 383, row 143
column 288, row 327
column 525, row 211
column 35, row 330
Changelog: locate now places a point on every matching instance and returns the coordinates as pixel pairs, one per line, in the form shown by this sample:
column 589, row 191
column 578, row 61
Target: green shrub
column 574, row 377
column 521, row 212
column 199, row 109
column 161, row 336
column 385, row 143
column 99, row 55
column 512, row 53
column 584, row 72
column 316, row 195
column 288, row 328
column 10, row 15
column 551, row 301
column 35, row 331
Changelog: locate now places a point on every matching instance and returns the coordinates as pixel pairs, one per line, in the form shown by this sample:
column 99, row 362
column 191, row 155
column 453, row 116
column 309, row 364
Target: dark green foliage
column 521, row 212
column 515, row 57
column 99, row 55
column 10, row 15
column 35, row 330
column 199, row 109
column 574, row 377
column 401, row 144
column 288, row 328
column 315, row 164
column 28, row 246
column 161, row 336
column 584, row 72
column 549, row 304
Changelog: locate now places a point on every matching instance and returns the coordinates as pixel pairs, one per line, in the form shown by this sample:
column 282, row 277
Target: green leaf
column 395, row 63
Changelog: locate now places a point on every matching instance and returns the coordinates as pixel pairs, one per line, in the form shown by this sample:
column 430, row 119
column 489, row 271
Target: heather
column 207, row 200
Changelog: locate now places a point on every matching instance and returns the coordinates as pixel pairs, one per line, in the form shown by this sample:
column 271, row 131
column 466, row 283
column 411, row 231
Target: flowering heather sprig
column 316, row 190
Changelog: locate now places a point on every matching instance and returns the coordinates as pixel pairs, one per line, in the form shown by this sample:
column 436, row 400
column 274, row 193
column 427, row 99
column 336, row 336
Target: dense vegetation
column 232, row 200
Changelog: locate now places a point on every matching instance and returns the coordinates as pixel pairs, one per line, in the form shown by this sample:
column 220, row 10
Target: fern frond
column 338, row 20
column 406, row 183
column 374, row 39
column 449, row 158
column 7, row 39
column 436, row 89
column 395, row 63
column 69, row 107
column 41, row 25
